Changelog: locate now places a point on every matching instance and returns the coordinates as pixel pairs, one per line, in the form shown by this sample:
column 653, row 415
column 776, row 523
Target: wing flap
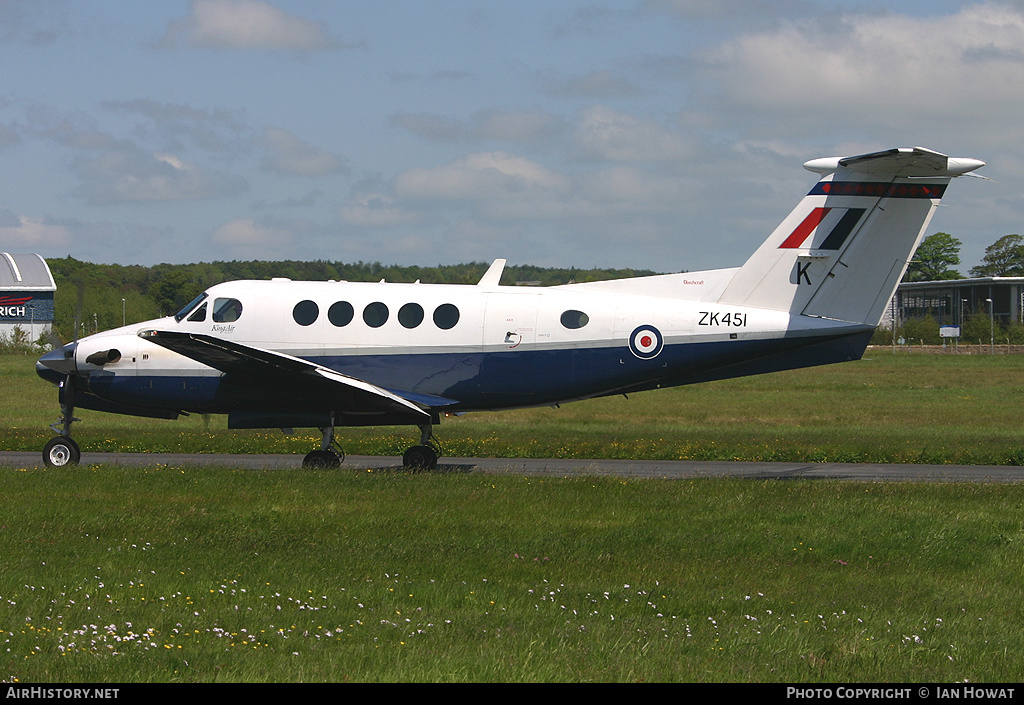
column 248, row 365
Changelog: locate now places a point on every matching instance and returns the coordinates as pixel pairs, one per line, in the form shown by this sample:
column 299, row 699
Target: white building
column 26, row 296
column 952, row 302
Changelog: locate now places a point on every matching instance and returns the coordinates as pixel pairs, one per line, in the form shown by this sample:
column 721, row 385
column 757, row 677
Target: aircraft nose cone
column 60, row 360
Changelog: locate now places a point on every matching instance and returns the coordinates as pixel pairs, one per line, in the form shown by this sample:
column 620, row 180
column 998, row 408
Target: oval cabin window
column 575, row 319
column 305, row 313
column 446, row 316
column 375, row 315
column 340, row 314
column 410, row 315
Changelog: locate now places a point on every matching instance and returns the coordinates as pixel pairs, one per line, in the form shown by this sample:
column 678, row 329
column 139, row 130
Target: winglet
column 493, row 274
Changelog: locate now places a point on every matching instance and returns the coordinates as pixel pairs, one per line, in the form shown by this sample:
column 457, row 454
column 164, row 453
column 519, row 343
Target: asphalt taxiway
column 554, row 467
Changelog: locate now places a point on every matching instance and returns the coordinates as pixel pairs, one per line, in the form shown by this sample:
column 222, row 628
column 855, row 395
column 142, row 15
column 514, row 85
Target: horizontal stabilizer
column 915, row 162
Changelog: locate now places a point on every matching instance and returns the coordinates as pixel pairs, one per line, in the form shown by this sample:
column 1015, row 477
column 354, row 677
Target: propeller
column 78, row 308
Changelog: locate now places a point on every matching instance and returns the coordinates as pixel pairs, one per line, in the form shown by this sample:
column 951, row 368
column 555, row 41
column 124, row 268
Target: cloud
column 596, row 85
column 245, row 24
column 482, row 175
column 211, row 129
column 17, row 231
column 446, row 76
column 377, row 210
column 606, row 134
column 308, row 200
column 244, row 237
column 523, row 126
column 752, row 12
column 32, row 23
column 873, row 72
column 117, row 170
column 8, row 136
column 290, row 155
column 584, row 20
column 125, row 174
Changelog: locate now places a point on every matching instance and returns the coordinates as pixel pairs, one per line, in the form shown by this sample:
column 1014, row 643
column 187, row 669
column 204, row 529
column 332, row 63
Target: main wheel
column 60, row 452
column 420, row 458
column 324, row 459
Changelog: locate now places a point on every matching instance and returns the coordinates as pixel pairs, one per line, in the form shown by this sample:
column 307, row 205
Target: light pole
column 122, row 312
column 991, row 326
column 962, row 303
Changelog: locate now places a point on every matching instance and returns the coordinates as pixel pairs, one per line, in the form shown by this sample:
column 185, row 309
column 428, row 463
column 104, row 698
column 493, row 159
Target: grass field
column 182, row 574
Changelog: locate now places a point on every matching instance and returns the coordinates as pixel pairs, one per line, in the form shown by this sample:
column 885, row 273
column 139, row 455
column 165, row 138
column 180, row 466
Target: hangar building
column 26, row 296
column 953, row 302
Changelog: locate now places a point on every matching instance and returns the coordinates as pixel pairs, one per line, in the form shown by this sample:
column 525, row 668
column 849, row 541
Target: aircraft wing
column 245, row 364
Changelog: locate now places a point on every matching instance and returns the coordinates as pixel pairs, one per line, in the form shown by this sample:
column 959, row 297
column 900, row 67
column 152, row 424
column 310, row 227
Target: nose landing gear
column 62, row 450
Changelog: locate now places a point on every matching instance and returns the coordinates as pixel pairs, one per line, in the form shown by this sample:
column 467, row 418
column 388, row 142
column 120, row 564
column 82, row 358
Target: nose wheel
column 60, row 452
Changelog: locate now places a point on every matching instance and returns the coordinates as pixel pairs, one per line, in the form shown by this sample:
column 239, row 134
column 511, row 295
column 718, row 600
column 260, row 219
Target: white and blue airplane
column 287, row 354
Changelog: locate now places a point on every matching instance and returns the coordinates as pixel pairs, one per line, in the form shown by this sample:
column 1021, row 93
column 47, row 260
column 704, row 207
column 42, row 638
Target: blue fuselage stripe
column 495, row 380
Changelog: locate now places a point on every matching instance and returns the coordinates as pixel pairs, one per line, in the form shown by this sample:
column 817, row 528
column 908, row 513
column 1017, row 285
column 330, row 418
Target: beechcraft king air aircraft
column 286, row 354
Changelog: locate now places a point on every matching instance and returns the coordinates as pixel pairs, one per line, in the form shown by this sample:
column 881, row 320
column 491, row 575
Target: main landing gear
column 424, row 456
column 62, row 450
column 419, row 458
column 330, row 454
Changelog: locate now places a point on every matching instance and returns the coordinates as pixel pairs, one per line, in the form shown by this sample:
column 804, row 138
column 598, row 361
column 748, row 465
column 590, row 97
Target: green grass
column 182, row 574
column 885, row 408
column 186, row 574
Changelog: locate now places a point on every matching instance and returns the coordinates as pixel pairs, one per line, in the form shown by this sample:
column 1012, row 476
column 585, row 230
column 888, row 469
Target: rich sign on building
column 26, row 296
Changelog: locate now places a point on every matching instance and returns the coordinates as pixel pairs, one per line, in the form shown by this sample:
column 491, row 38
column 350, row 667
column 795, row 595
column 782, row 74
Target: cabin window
column 375, row 315
column 305, row 313
column 226, row 310
column 410, row 315
column 574, row 319
column 198, row 315
column 446, row 316
column 189, row 306
column 340, row 313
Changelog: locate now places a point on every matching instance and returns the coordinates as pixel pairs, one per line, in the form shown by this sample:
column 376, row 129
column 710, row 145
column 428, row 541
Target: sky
column 654, row 134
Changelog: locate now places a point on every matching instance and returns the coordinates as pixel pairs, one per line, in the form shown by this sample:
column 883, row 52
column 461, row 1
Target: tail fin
column 842, row 251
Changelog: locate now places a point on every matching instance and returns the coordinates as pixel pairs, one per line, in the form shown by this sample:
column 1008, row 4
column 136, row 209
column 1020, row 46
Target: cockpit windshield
column 180, row 315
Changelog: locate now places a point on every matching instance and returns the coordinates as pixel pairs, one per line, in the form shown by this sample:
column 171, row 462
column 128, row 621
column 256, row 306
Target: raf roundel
column 646, row 342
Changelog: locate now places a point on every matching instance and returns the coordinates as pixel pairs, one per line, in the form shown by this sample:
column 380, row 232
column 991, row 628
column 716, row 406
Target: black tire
column 321, row 459
column 420, row 458
column 60, row 452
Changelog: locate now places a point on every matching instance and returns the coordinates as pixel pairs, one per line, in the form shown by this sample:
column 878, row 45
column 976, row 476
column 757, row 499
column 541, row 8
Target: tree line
column 103, row 296
column 938, row 254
